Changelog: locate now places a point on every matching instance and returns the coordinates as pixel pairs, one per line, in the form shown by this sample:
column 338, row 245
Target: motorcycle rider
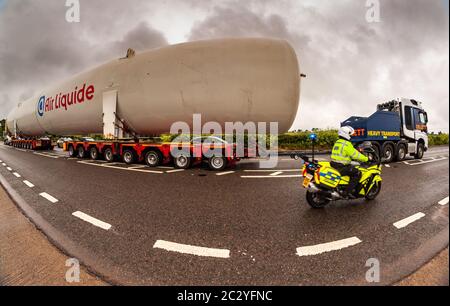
column 342, row 156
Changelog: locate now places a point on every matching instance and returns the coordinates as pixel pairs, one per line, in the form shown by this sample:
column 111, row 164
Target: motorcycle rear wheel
column 315, row 200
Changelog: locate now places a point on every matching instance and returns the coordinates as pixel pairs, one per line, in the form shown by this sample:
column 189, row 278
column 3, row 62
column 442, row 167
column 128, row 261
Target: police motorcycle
column 325, row 184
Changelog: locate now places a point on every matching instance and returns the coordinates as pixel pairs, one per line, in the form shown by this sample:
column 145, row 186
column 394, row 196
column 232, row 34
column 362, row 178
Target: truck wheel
column 81, row 152
column 72, row 152
column 109, row 156
column 128, row 157
column 93, row 152
column 388, row 153
column 182, row 161
column 315, row 200
column 420, row 151
column 217, row 163
column 153, row 159
column 401, row 152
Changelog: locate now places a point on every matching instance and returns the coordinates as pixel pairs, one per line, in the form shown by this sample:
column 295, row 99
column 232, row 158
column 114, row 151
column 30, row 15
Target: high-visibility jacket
column 344, row 153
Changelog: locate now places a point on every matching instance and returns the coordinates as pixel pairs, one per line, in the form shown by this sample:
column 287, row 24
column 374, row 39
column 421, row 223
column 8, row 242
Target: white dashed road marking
column 48, row 197
column 407, row 221
column 92, row 220
column 17, row 174
column 29, row 184
column 443, row 201
column 327, row 247
column 224, row 173
column 276, row 173
column 8, row 168
column 190, row 249
column 3, row 164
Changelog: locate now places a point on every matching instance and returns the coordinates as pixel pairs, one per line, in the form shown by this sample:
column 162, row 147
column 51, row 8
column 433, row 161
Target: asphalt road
column 239, row 227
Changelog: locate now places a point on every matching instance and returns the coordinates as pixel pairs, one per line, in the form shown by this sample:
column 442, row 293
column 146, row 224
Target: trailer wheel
column 388, row 153
column 153, row 158
column 182, row 161
column 217, row 163
column 401, row 152
column 420, row 151
column 109, row 156
column 81, row 152
column 72, row 152
column 93, row 152
column 128, row 156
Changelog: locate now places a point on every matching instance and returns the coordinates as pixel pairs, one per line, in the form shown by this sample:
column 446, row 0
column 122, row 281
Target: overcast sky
column 351, row 64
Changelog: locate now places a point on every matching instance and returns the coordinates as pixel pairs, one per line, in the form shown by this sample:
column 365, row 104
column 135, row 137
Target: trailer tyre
column 72, row 151
column 109, row 155
column 217, row 163
column 420, row 151
column 128, row 156
column 388, row 153
column 81, row 152
column 94, row 154
column 153, row 159
column 401, row 152
column 182, row 161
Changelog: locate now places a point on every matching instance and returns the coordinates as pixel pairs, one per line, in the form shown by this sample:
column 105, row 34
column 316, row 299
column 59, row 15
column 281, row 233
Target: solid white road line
column 276, row 173
column 443, row 201
column 8, row 168
column 407, row 221
column 224, row 173
column 121, row 168
column 268, row 176
column 92, row 220
column 138, row 167
column 17, row 174
column 173, row 171
column 190, row 249
column 327, row 247
column 29, row 184
column 274, row 170
column 48, row 197
column 428, row 161
column 49, row 156
column 164, row 167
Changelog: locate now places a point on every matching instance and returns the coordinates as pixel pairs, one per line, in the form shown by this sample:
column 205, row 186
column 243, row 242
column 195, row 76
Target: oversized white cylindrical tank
column 226, row 80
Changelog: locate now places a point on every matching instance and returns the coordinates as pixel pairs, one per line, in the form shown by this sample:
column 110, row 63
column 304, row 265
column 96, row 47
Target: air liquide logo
column 63, row 101
column 41, row 105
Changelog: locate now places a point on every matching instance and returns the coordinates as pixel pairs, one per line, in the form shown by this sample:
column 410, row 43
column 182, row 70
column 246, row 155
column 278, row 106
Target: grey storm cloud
column 38, row 46
column 351, row 65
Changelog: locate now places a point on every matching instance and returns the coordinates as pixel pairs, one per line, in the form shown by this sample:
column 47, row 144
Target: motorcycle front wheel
column 374, row 192
column 315, row 200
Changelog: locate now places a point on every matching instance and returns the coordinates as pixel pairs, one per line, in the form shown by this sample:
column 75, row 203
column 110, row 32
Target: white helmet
column 346, row 132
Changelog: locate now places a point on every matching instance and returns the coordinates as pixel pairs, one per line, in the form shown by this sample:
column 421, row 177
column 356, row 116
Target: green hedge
column 438, row 139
